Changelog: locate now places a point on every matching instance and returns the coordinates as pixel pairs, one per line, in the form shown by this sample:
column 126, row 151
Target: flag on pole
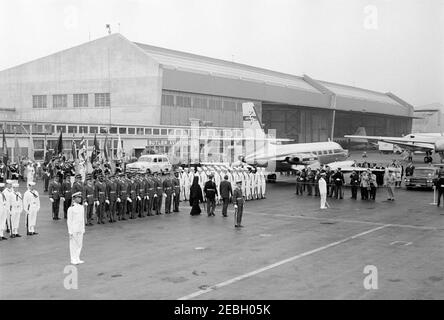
column 59, row 147
column 96, row 150
column 31, row 148
column 119, row 149
column 105, row 149
column 5, row 155
column 16, row 148
column 73, row 149
column 82, row 150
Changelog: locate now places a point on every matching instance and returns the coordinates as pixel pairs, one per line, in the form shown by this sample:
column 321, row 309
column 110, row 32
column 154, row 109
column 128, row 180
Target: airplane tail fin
column 360, row 132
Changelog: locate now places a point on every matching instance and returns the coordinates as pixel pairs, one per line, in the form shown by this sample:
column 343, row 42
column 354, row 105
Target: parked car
column 423, row 177
column 150, row 163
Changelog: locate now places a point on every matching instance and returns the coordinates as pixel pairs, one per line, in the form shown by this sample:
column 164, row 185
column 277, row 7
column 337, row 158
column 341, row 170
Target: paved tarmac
column 289, row 249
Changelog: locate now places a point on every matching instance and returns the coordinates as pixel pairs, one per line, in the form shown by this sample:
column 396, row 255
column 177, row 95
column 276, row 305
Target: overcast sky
column 383, row 45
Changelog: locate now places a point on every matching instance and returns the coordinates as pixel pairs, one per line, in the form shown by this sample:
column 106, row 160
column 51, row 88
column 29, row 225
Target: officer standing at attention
column 150, row 194
column 141, row 196
column 159, row 193
column 3, row 212
column 16, row 210
column 226, row 192
column 210, row 191
column 238, row 200
column 338, row 180
column 111, row 194
column 167, row 186
column 55, row 191
column 76, row 228
column 88, row 199
column 322, row 185
column 66, row 195
column 100, row 198
column 176, row 191
column 31, row 204
column 122, row 199
column 133, row 189
column 354, row 182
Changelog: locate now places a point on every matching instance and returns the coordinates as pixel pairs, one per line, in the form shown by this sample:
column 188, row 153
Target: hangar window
column 200, row 103
column 167, row 100
column 61, row 129
column 102, row 99
column 229, row 105
column 59, row 101
column 83, row 129
column 215, row 104
column 140, row 131
column 183, row 101
column 148, row 131
column 39, row 101
column 122, row 130
column 72, row 129
column 131, row 130
column 80, row 100
column 163, row 132
column 93, row 129
column 113, row 130
column 156, row 131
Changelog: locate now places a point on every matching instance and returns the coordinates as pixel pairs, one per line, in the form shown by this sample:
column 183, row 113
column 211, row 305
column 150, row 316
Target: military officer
column 100, row 198
column 132, row 192
column 111, row 194
column 122, row 196
column 141, row 196
column 354, row 182
column 66, row 192
column 149, row 194
column 88, row 198
column 16, row 201
column 159, row 193
column 210, row 191
column 167, row 186
column 238, row 200
column 177, row 191
column 4, row 212
column 31, row 204
column 76, row 228
column 55, row 191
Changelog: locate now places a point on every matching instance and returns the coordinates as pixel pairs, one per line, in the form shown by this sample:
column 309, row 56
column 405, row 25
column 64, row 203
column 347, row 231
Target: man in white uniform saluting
column 323, row 190
column 76, row 228
column 31, row 204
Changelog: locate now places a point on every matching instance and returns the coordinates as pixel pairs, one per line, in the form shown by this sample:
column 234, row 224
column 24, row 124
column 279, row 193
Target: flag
column 48, row 153
column 58, row 150
column 96, row 150
column 82, row 151
column 31, row 148
column 73, row 149
column 119, row 149
column 5, row 155
column 16, row 147
column 105, row 149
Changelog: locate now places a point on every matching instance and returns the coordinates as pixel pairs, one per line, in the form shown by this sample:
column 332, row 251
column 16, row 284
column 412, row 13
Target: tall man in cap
column 149, row 194
column 226, row 192
column 141, row 196
column 76, row 228
column 3, row 212
column 122, row 199
column 31, row 204
column 111, row 197
column 16, row 210
column 54, row 192
column 238, row 201
column 177, row 188
column 210, row 191
column 133, row 189
column 88, row 199
column 167, row 186
column 100, row 198
column 66, row 192
column 159, row 193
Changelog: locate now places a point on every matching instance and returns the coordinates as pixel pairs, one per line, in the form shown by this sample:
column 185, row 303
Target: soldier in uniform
column 76, row 228
column 159, row 194
column 16, row 201
column 316, row 181
column 111, row 197
column 141, row 195
column 31, row 204
column 338, row 180
column 122, row 199
column 298, row 183
column 149, row 189
column 46, row 177
column 167, row 186
column 4, row 212
column 177, row 188
column 66, row 192
column 210, row 191
column 88, row 199
column 100, row 198
column 354, row 182
column 3, row 172
column 310, row 181
column 226, row 192
column 55, row 191
column 238, row 200
column 133, row 195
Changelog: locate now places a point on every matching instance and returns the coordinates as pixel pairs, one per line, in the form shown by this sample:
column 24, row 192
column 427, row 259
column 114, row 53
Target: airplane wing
column 412, row 143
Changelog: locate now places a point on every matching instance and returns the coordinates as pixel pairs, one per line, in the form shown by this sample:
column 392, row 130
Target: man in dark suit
column 226, row 192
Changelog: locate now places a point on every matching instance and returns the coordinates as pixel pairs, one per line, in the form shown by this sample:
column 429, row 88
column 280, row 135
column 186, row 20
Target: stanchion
column 434, row 197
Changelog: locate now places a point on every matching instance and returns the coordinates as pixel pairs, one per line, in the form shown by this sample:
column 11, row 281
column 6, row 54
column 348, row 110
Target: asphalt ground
column 288, row 249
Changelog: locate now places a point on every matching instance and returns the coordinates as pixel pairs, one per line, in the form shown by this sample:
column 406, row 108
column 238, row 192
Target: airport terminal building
column 155, row 98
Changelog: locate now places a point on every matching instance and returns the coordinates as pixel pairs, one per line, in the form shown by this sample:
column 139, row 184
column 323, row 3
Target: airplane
column 426, row 142
column 285, row 157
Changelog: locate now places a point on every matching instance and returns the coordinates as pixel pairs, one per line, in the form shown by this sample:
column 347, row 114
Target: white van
column 151, row 163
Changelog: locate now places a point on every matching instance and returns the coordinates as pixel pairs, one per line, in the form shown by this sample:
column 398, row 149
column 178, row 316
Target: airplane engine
column 300, row 159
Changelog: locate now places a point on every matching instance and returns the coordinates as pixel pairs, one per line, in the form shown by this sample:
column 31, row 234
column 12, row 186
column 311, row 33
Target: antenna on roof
column 108, row 26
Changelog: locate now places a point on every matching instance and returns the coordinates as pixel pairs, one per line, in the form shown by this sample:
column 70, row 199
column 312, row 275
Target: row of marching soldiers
column 253, row 181
column 12, row 205
column 122, row 196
